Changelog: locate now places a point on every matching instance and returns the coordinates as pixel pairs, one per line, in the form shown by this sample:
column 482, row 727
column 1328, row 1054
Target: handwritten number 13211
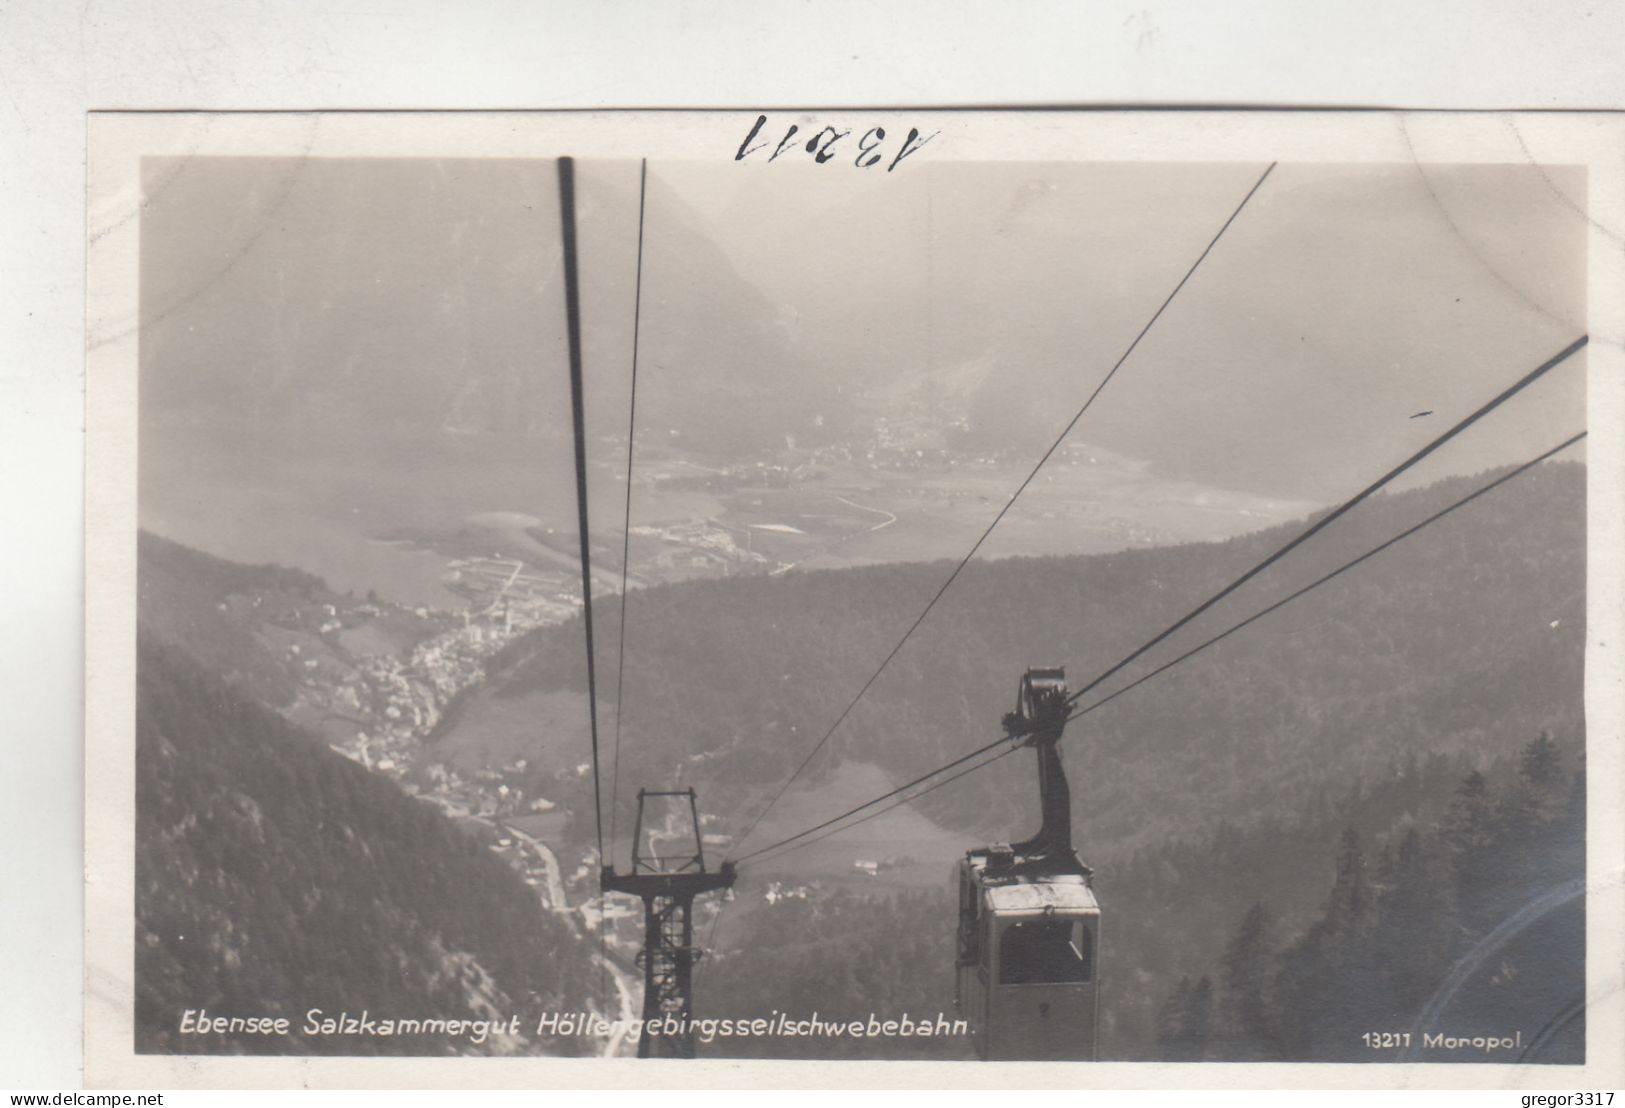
column 868, row 150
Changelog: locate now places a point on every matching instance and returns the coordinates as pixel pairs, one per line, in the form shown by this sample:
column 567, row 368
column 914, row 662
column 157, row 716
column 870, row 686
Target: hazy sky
column 1342, row 301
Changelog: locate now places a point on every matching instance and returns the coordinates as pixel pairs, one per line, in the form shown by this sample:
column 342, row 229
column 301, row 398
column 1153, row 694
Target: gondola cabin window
column 1046, row 952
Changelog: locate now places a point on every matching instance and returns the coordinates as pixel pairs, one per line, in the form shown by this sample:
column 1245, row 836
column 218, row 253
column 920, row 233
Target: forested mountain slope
column 1467, row 638
column 273, row 877
column 185, row 598
column 1469, row 927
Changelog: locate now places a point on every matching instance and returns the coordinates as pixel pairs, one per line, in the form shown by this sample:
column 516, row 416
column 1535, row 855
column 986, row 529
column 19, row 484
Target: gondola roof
column 1030, row 894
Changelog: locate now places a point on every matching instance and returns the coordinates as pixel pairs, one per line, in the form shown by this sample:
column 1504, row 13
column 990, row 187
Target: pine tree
column 1415, row 928
column 1197, row 1027
column 1526, row 816
column 1470, row 833
column 1348, row 909
column 1247, row 1029
column 1184, row 1021
column 1327, row 983
column 1170, row 1021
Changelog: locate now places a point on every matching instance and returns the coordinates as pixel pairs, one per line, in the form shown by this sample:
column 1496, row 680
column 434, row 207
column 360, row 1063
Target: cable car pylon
column 667, row 885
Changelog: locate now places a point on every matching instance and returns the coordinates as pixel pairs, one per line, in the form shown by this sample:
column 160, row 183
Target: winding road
column 554, row 900
column 887, row 522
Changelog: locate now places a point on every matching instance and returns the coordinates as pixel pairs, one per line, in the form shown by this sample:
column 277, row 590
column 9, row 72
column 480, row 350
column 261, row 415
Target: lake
column 344, row 507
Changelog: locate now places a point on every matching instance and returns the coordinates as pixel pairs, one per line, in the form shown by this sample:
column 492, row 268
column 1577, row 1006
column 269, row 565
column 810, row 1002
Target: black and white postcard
column 1125, row 591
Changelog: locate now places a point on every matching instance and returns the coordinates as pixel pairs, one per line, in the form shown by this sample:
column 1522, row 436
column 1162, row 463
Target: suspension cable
column 626, row 526
column 869, row 804
column 1345, row 567
column 1342, row 509
column 711, row 933
column 572, row 316
column 1010, row 503
column 899, row 802
column 1339, row 571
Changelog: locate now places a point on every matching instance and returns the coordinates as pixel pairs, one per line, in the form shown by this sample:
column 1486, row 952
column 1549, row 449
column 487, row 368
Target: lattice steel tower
column 667, row 886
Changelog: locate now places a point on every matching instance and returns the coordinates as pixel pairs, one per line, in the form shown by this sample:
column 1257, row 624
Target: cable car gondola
column 1029, row 923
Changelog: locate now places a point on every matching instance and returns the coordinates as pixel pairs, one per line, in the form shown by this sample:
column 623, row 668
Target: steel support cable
column 1342, row 509
column 626, row 526
column 1345, row 567
column 1010, row 503
column 957, row 762
column 900, row 801
column 711, row 933
column 1338, row 572
column 572, row 316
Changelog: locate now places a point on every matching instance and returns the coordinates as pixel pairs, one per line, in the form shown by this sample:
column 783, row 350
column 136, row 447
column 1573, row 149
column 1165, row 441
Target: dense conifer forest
column 1472, row 926
column 273, row 876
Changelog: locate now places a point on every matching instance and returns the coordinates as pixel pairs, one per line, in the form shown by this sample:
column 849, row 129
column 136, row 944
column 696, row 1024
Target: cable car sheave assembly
column 1027, row 962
